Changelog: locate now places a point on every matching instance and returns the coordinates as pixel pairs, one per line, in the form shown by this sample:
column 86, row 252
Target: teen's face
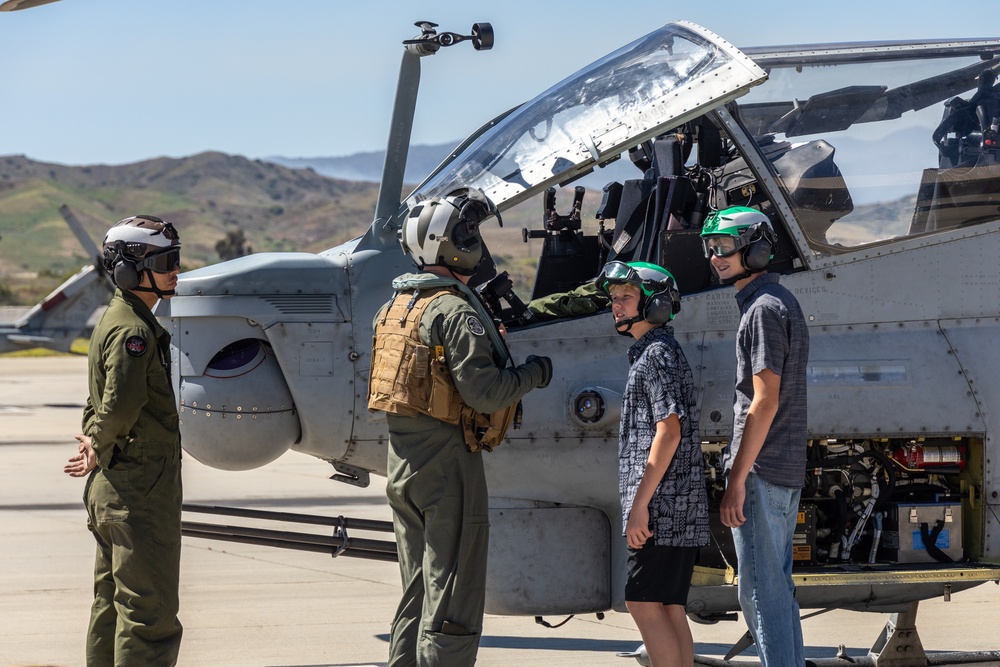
column 728, row 267
column 624, row 302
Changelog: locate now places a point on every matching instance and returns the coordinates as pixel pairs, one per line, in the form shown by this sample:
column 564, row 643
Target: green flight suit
column 583, row 300
column 437, row 490
column 133, row 497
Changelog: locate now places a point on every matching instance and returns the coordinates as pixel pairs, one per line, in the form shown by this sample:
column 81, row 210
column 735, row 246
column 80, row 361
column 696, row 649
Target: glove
column 543, row 363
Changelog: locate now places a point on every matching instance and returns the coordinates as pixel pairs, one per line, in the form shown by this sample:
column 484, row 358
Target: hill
column 206, row 195
column 277, row 208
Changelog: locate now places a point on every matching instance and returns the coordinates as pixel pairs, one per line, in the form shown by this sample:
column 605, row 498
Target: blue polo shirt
column 772, row 335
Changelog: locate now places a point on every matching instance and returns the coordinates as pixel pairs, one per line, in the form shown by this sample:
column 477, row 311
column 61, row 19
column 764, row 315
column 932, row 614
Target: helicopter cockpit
column 841, row 157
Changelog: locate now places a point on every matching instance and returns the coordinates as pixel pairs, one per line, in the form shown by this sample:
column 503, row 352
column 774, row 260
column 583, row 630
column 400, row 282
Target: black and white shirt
column 660, row 384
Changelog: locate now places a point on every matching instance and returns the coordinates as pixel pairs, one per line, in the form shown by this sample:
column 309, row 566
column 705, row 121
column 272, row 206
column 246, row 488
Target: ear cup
column 126, row 274
column 661, row 307
column 758, row 254
column 658, row 310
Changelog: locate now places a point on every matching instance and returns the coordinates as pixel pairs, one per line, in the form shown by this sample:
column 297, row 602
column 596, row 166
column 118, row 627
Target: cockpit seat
column 816, row 185
column 959, row 136
column 986, row 101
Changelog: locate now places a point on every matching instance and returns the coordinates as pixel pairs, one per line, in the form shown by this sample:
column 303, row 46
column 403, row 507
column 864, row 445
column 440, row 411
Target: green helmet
column 740, row 229
column 659, row 299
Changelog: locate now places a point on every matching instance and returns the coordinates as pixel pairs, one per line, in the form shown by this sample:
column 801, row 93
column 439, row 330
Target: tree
column 233, row 245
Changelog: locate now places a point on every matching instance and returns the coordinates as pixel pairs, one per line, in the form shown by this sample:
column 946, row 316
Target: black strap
column 930, row 541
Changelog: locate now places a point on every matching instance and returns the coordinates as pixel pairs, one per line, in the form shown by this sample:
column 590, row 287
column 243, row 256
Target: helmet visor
column 620, row 273
column 616, row 273
column 164, row 261
column 720, row 246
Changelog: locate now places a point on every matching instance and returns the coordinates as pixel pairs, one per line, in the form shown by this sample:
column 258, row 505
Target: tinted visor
column 164, row 261
column 720, row 246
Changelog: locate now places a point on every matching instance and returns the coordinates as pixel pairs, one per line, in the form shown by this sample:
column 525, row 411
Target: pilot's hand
column 84, row 461
column 731, row 509
column 637, row 529
column 543, row 363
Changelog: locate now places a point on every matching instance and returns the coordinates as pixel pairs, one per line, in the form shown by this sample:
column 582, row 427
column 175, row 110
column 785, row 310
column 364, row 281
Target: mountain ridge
column 205, row 195
column 421, row 160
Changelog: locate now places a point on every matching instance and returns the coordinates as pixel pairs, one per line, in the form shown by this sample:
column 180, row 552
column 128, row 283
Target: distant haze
column 420, row 162
column 367, row 166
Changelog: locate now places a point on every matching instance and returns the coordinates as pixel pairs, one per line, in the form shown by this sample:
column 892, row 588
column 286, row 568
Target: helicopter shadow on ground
column 551, row 643
column 811, row 653
column 627, row 646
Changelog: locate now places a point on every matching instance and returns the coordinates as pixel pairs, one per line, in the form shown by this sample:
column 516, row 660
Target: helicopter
column 878, row 165
column 60, row 317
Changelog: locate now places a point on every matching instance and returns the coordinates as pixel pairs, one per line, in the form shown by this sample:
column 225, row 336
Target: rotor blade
column 14, row 5
column 80, row 233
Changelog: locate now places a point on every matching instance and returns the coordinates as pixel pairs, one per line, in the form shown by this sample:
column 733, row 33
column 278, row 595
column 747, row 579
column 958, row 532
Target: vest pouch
column 444, row 402
column 420, row 361
column 387, row 381
column 413, row 377
column 486, row 431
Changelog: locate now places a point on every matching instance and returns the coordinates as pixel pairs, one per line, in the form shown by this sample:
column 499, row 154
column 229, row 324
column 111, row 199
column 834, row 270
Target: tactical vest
column 408, row 378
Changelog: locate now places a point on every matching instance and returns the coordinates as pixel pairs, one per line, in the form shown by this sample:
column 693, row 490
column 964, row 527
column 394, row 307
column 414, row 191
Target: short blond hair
column 623, row 286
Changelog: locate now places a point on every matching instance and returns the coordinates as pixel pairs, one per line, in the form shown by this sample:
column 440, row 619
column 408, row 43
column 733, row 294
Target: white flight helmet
column 140, row 243
column 444, row 231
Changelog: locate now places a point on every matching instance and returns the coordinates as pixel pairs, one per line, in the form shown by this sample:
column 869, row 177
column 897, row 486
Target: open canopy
column 656, row 83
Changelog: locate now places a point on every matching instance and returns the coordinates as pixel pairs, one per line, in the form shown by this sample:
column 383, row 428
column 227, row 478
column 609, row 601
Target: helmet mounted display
column 444, row 231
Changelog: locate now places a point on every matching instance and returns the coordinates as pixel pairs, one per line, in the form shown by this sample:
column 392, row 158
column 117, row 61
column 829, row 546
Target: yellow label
column 439, row 352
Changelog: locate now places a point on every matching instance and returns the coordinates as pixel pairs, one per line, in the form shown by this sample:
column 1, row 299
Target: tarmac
column 245, row 605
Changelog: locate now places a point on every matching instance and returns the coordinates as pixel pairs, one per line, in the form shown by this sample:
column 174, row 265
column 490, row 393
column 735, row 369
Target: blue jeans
column 764, row 561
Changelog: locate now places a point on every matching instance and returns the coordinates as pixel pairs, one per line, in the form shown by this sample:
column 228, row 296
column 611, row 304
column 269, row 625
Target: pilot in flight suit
column 130, row 447
column 438, row 371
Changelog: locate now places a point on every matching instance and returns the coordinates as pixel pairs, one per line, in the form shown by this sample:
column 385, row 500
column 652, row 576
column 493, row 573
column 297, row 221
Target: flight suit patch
column 135, row 346
column 475, row 326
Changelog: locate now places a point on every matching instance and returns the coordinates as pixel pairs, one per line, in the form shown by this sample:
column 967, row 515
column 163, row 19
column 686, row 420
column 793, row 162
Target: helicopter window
column 626, row 93
column 873, row 152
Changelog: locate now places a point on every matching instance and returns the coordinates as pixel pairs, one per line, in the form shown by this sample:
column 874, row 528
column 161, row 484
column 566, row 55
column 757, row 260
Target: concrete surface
column 248, row 606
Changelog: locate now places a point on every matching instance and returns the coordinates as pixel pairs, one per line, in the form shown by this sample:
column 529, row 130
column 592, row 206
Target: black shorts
column 660, row 574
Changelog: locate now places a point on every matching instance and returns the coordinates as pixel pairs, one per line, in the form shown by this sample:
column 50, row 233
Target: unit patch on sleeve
column 475, row 326
column 135, row 346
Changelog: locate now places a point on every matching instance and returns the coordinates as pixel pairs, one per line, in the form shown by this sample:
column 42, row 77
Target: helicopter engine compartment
column 877, row 502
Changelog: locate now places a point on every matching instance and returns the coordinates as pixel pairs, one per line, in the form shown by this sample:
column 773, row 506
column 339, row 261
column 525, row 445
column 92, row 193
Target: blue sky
column 118, row 81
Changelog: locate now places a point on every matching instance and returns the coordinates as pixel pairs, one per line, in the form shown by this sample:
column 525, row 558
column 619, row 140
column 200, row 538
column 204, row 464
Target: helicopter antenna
column 427, row 43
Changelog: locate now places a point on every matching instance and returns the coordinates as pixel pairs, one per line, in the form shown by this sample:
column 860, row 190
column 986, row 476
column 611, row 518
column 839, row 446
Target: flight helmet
column 743, row 230
column 444, row 231
column 141, row 243
column 659, row 299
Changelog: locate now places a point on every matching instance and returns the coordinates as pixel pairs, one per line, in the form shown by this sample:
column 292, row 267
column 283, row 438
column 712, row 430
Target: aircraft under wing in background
column 879, row 167
column 61, row 317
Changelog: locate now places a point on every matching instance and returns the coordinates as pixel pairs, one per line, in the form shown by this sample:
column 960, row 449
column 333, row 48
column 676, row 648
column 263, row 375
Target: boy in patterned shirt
column 660, row 466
